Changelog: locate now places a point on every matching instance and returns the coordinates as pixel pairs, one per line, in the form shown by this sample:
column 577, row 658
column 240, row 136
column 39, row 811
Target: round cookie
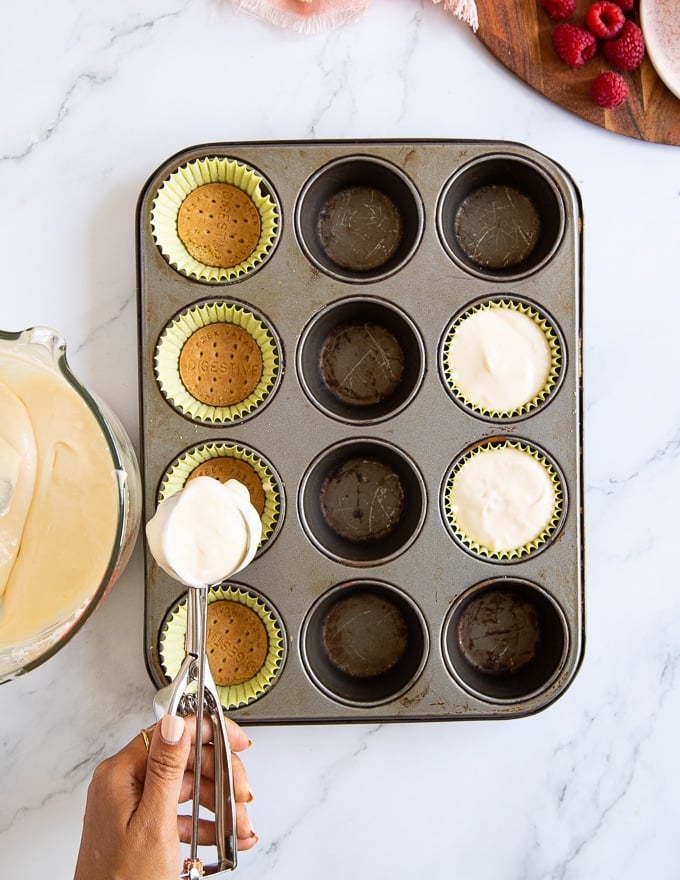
column 362, row 500
column 219, row 225
column 237, row 642
column 220, row 364
column 364, row 635
column 224, row 468
column 361, row 363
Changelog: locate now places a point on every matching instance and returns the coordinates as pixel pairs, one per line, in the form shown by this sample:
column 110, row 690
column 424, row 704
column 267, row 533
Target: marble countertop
column 95, row 96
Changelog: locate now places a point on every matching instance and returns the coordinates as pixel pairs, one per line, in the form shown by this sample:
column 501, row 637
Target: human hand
column 131, row 828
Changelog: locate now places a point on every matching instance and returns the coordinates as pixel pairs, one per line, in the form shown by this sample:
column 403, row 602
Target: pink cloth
column 317, row 15
column 320, row 15
column 466, row 10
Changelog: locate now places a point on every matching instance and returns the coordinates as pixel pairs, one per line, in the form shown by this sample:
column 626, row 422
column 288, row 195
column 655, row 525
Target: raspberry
column 558, row 9
column 605, row 20
column 574, row 44
column 626, row 5
column 627, row 51
column 609, row 89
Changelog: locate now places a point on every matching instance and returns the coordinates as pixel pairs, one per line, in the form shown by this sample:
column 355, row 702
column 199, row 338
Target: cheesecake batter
column 59, row 501
column 502, row 498
column 499, row 359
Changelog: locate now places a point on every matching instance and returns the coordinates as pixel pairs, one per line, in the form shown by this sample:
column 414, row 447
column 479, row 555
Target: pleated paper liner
column 554, row 349
column 182, row 468
column 173, row 640
column 185, row 180
column 179, row 331
column 538, row 541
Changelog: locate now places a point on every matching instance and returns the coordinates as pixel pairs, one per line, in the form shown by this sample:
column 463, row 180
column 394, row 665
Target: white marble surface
column 94, row 96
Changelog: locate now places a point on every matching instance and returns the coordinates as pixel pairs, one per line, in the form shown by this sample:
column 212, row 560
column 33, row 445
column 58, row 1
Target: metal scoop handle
column 225, row 802
column 168, row 700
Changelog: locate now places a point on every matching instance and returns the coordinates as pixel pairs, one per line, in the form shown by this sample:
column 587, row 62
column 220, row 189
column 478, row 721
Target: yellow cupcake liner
column 185, row 180
column 173, row 641
column 176, row 334
column 551, row 337
column 180, row 470
column 542, row 538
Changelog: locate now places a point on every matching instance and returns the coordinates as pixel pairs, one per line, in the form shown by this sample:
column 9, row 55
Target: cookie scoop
column 200, row 536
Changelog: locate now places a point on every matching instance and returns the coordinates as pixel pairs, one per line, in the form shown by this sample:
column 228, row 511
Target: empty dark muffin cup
column 505, row 640
column 501, row 217
column 364, row 643
column 359, row 219
column 361, row 360
column 362, row 502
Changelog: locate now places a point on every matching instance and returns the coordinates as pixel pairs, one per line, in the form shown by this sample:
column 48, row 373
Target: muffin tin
column 444, row 228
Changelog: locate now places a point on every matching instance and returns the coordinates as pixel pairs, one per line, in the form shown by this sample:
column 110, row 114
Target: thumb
column 166, row 763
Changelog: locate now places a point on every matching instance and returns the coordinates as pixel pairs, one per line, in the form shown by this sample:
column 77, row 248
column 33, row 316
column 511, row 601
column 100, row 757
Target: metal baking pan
column 417, row 291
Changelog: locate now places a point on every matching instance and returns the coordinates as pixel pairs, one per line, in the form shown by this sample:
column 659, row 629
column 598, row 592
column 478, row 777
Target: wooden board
column 519, row 34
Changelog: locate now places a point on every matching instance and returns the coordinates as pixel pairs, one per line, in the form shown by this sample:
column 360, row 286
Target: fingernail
column 250, row 742
column 250, row 798
column 172, row 728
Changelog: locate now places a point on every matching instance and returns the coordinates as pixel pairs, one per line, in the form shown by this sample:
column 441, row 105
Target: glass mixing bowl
column 41, row 352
